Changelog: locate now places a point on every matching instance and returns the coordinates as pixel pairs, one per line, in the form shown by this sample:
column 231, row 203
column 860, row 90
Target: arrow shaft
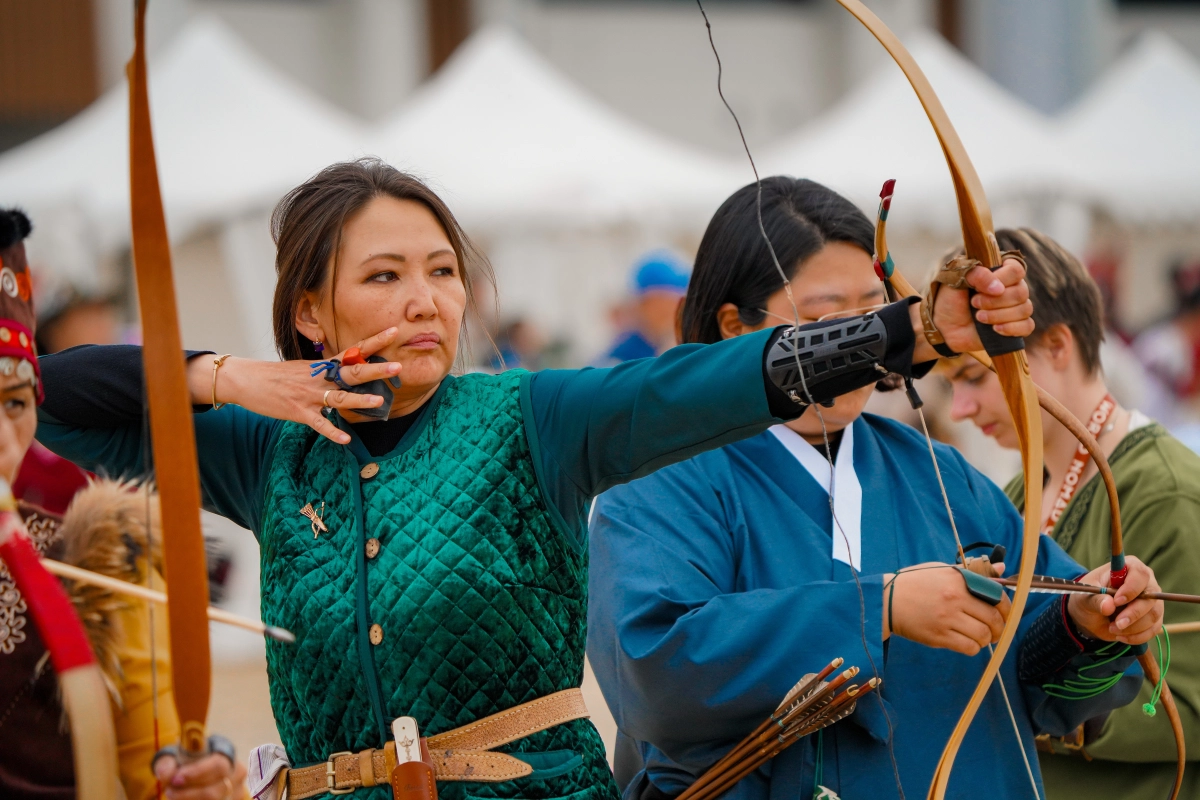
column 154, row 596
column 1059, row 585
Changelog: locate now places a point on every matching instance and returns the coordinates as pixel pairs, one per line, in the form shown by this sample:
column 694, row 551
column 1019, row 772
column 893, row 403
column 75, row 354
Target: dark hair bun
column 14, row 227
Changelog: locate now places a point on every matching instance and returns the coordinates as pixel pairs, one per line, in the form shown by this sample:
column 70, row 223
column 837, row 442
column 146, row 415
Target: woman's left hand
column 210, row 778
column 1139, row 620
column 1001, row 300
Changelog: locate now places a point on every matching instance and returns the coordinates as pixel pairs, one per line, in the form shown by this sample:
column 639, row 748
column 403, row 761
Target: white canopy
column 232, row 133
column 506, row 138
column 1137, row 132
column 880, row 131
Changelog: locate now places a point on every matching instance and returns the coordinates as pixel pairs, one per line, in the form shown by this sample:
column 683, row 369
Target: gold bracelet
column 217, row 362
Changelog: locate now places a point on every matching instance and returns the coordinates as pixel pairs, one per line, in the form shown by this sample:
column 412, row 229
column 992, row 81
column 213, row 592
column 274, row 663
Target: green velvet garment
column 479, row 586
column 1158, row 483
column 480, row 598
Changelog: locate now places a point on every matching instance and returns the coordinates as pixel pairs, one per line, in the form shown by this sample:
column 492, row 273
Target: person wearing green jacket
column 423, row 534
column 1125, row 754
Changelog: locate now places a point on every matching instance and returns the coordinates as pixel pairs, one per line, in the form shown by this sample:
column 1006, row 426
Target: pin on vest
column 318, row 525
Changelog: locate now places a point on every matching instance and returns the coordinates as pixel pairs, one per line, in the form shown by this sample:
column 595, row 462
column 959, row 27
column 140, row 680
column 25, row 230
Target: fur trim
column 105, row 530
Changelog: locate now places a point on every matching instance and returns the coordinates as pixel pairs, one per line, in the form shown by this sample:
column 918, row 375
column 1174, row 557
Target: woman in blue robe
column 717, row 582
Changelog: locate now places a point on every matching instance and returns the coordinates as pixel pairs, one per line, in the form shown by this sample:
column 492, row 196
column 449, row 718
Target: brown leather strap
column 366, row 766
column 953, row 274
column 458, row 755
column 515, row 723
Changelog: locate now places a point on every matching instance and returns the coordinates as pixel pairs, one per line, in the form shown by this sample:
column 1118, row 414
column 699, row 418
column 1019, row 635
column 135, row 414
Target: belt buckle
column 330, row 772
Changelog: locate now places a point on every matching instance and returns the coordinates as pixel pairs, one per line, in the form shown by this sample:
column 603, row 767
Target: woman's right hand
column 287, row 390
column 931, row 605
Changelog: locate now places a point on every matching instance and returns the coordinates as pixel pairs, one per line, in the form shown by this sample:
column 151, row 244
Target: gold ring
column 325, row 398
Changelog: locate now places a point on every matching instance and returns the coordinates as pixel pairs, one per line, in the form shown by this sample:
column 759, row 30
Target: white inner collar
column 847, row 491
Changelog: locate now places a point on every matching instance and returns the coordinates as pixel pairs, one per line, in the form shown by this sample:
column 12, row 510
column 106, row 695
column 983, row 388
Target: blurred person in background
column 105, row 529
column 1124, row 753
column 719, row 581
column 520, row 345
column 1171, row 349
column 78, row 320
column 660, row 281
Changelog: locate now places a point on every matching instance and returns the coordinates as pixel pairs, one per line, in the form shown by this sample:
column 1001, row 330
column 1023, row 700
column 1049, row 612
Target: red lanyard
column 1070, row 483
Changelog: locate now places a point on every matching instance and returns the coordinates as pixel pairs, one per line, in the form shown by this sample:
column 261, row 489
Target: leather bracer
column 837, row 357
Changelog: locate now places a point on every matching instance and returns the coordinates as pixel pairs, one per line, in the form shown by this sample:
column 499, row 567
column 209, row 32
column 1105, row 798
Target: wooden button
column 376, row 633
column 369, row 471
column 372, row 548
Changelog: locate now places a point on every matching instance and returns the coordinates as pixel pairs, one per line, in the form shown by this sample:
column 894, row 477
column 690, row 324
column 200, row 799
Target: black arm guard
column 1052, row 642
column 837, row 357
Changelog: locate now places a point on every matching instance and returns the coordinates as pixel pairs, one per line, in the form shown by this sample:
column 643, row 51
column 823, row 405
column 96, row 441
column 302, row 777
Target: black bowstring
column 862, row 603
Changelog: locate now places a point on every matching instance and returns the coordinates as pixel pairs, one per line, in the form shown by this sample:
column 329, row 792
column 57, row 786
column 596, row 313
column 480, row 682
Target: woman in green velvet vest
column 424, row 534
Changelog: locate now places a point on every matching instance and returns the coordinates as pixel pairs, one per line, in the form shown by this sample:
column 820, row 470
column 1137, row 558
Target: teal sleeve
column 234, row 448
column 592, row 429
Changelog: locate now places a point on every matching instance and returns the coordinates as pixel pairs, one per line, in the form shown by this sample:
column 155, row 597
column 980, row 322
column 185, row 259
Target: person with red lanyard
column 1126, row 753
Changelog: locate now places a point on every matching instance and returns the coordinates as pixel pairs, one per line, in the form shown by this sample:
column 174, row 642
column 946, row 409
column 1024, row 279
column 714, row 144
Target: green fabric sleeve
column 1161, row 529
column 1158, row 482
column 592, row 429
column 234, row 447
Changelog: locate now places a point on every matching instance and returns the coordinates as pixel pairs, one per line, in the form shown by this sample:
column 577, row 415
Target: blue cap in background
column 661, row 270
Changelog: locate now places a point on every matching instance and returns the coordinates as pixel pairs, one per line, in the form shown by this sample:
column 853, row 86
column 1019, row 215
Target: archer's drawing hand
column 1139, row 621
column 1002, row 300
column 287, row 390
column 932, row 606
column 211, row 778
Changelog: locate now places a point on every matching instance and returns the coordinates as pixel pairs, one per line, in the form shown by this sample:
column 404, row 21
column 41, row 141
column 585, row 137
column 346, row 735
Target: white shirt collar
column 847, row 491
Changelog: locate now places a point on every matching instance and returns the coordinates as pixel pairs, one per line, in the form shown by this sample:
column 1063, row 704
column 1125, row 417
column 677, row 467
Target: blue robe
column 714, row 589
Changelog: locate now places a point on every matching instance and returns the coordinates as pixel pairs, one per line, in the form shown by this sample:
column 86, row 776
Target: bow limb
column 172, row 435
column 1007, row 356
column 84, row 693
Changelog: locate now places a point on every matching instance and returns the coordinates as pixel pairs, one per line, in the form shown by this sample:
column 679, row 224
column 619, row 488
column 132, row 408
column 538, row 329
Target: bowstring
column 787, row 288
column 147, row 458
column 937, row 470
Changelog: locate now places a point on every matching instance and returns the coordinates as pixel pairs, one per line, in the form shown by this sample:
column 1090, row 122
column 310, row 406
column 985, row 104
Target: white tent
column 1137, row 133
column 232, row 133
column 506, row 138
column 880, row 131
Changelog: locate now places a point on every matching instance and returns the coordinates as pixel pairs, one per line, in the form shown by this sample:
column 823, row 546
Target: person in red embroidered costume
column 104, row 530
column 1126, row 753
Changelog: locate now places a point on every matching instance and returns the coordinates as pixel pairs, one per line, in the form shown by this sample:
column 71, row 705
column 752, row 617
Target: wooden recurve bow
column 170, row 408
column 1005, row 355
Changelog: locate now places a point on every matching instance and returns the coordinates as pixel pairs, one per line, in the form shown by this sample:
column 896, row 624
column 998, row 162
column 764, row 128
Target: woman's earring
column 320, row 348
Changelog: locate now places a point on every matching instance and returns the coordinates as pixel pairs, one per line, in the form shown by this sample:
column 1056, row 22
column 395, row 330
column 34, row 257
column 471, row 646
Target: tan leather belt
column 458, row 755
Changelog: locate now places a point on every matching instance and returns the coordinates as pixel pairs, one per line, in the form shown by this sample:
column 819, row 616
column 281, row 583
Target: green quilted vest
column 481, row 600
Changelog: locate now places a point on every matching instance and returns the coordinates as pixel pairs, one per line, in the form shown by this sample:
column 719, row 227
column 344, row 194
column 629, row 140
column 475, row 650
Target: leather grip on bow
column 996, row 344
column 174, row 442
